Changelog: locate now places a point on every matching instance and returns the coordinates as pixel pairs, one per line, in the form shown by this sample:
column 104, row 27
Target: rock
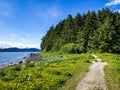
column 32, row 54
column 20, row 62
column 24, row 57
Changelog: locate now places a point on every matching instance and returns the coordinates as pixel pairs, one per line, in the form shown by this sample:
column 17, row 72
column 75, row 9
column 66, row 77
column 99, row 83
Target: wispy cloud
column 117, row 11
column 19, row 45
column 26, row 37
column 47, row 12
column 113, row 2
column 14, row 35
column 18, row 38
column 6, row 9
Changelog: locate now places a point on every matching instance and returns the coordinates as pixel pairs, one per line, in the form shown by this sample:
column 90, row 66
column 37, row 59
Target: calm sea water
column 7, row 58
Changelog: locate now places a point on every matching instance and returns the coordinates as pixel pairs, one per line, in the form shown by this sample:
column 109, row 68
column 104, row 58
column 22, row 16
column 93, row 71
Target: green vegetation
column 112, row 70
column 62, row 70
column 51, row 74
column 91, row 32
column 70, row 48
column 58, row 72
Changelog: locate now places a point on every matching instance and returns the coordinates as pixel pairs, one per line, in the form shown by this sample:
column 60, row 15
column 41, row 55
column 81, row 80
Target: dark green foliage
column 9, row 75
column 29, row 64
column 67, row 74
column 17, row 67
column 4, row 79
column 70, row 48
column 105, row 37
column 2, row 73
column 90, row 32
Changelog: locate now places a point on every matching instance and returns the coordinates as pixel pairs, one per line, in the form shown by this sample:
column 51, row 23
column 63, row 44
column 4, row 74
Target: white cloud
column 22, row 40
column 19, row 45
column 113, row 2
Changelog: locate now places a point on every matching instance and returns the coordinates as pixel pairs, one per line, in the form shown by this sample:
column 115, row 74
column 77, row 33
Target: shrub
column 30, row 64
column 4, row 79
column 66, row 73
column 17, row 67
column 87, row 61
column 70, row 48
column 2, row 73
column 11, row 75
column 61, row 81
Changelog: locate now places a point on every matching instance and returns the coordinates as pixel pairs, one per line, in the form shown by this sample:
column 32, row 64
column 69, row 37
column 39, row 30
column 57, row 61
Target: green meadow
column 112, row 70
column 54, row 72
column 58, row 72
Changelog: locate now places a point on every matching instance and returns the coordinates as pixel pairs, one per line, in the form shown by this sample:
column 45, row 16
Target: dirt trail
column 94, row 79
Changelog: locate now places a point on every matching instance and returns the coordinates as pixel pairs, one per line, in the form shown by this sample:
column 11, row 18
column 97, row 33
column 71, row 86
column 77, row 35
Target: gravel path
column 94, row 79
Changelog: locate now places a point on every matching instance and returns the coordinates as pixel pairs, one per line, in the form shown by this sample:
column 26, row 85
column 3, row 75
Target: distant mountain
column 14, row 49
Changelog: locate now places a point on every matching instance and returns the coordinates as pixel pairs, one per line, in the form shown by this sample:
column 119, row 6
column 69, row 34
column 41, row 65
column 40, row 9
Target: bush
column 29, row 64
column 68, row 74
column 11, row 75
column 4, row 79
column 17, row 67
column 70, row 48
column 2, row 73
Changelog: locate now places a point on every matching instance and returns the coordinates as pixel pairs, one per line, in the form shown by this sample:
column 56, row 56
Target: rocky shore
column 33, row 57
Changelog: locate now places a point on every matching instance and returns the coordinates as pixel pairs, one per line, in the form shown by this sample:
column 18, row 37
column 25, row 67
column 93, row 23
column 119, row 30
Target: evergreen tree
column 67, row 34
column 105, row 36
column 90, row 32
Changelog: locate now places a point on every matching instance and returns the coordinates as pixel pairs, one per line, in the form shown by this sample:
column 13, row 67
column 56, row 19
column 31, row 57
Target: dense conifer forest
column 89, row 32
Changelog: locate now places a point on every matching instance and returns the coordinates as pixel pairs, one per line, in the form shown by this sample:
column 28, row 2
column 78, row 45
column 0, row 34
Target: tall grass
column 112, row 70
column 51, row 74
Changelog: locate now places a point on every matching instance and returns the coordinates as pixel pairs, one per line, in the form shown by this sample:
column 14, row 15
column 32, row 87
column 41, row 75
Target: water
column 7, row 58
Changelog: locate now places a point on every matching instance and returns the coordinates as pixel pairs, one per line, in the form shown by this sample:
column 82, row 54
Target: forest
column 94, row 31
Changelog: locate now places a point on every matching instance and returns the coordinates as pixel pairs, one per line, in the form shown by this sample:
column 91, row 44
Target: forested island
column 19, row 49
column 88, row 32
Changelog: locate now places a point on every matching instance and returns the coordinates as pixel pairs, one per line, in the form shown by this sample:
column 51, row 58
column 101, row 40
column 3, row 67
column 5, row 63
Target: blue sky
column 24, row 22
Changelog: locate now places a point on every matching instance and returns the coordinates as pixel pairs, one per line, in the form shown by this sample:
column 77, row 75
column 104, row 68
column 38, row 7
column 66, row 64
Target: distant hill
column 19, row 50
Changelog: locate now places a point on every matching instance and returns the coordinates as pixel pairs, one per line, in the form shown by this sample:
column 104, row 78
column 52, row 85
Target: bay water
column 8, row 58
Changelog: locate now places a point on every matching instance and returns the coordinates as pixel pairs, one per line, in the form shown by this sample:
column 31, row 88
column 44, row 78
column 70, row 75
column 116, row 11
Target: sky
column 23, row 23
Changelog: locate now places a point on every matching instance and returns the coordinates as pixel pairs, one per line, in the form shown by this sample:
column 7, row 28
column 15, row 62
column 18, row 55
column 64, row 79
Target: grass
column 73, row 82
column 112, row 70
column 56, row 72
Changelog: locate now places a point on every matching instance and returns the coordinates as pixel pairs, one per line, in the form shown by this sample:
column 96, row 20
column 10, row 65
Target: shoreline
column 30, row 58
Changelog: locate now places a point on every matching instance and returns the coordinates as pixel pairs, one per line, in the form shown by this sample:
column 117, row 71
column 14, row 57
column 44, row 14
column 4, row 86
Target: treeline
column 89, row 32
